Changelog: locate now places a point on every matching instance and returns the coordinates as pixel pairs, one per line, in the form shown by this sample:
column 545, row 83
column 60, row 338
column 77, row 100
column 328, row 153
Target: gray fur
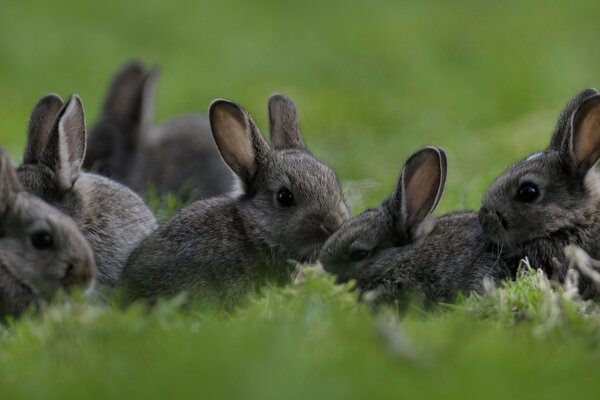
column 179, row 156
column 30, row 275
column 113, row 219
column 219, row 248
column 568, row 210
column 400, row 251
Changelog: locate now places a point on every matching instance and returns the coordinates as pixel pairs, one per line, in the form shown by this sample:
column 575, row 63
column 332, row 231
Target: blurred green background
column 373, row 81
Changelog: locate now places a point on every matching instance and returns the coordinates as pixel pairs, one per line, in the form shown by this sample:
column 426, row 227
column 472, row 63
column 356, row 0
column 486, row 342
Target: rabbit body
column 179, row 156
column 113, row 219
column 218, row 249
column 551, row 199
column 398, row 250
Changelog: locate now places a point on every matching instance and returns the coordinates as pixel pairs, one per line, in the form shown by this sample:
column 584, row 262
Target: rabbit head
column 41, row 250
column 556, row 189
column 127, row 113
column 55, row 151
column 292, row 201
column 398, row 221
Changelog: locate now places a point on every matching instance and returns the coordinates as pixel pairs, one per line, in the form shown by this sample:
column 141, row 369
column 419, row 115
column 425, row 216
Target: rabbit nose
column 78, row 274
column 332, row 224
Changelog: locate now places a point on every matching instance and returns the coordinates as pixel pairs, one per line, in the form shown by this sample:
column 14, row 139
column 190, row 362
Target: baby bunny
column 288, row 204
column 112, row 218
column 552, row 198
column 397, row 250
column 179, row 156
column 41, row 250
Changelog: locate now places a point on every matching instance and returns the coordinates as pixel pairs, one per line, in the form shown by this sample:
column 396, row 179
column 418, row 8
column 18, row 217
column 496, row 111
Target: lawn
column 372, row 81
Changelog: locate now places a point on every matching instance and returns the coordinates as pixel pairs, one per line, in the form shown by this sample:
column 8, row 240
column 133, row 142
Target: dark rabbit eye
column 528, row 192
column 358, row 255
column 285, row 198
column 42, row 240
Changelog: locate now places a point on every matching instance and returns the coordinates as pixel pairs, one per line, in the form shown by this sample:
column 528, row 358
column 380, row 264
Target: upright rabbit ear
column 65, row 148
column 284, row 124
column 239, row 141
column 420, row 186
column 582, row 150
column 41, row 122
column 8, row 180
column 124, row 89
column 562, row 131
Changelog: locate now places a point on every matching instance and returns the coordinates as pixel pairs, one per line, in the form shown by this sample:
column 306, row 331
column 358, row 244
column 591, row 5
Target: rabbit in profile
column 112, row 218
column 552, row 198
column 179, row 156
column 41, row 250
column 287, row 205
column 398, row 250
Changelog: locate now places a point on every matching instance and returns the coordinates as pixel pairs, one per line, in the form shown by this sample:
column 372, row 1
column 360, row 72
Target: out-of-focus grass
column 373, row 81
column 307, row 341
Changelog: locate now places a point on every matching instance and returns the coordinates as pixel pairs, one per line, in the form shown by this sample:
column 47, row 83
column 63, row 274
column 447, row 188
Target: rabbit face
column 41, row 249
column 551, row 191
column 533, row 198
column 47, row 252
column 298, row 203
column 352, row 248
column 400, row 220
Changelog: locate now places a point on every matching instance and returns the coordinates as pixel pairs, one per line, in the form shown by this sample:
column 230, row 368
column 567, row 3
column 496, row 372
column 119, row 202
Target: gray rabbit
column 287, row 205
column 41, row 250
column 112, row 218
column 399, row 251
column 179, row 156
column 552, row 198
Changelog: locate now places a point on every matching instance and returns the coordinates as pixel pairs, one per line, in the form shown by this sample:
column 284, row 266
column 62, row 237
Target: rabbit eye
column 285, row 198
column 358, row 255
column 42, row 240
column 528, row 192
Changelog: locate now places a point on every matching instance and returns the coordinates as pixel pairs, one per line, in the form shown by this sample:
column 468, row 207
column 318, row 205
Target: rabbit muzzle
column 493, row 224
column 78, row 274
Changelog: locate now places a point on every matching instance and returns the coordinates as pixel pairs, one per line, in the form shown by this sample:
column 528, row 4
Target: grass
column 373, row 81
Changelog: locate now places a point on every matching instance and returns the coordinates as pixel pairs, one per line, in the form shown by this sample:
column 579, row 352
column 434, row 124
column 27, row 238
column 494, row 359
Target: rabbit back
column 181, row 157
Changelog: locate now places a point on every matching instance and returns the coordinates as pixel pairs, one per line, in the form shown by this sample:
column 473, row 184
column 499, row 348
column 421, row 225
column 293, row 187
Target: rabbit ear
column 421, row 186
column 141, row 107
column 239, row 141
column 41, row 121
column 65, row 148
column 563, row 126
column 284, row 124
column 582, row 151
column 144, row 106
column 124, row 89
column 8, row 180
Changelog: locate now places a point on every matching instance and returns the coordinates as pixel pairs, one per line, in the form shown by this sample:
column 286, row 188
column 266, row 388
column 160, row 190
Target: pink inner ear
column 422, row 188
column 586, row 146
column 234, row 143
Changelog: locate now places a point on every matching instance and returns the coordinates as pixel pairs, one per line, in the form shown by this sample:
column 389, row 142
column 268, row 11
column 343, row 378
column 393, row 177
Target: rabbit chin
column 308, row 253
